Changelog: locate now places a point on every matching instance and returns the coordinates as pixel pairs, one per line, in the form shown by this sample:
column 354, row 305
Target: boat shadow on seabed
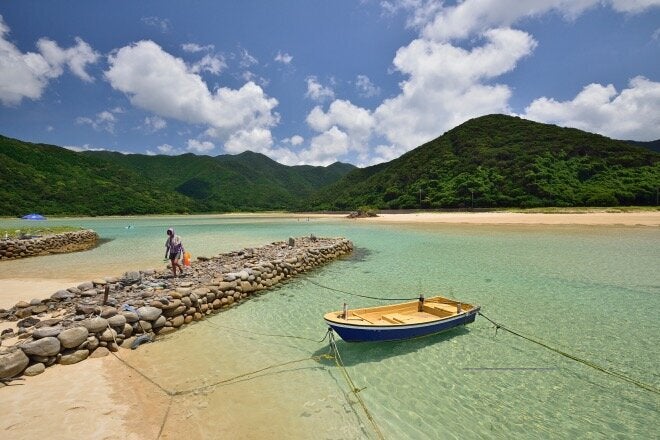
column 354, row 353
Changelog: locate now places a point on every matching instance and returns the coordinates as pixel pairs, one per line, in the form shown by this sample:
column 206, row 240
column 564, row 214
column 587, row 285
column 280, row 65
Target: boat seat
column 361, row 317
column 397, row 318
column 444, row 307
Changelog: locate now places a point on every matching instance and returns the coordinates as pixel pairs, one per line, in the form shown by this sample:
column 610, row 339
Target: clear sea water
column 590, row 291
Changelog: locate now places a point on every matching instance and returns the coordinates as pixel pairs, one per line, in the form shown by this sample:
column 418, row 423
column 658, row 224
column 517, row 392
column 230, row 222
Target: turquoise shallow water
column 593, row 292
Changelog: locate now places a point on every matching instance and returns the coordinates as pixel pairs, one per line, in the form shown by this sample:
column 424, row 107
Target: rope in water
column 173, row 393
column 593, row 365
column 336, row 356
column 362, row 296
column 588, row 363
column 354, row 389
column 250, row 373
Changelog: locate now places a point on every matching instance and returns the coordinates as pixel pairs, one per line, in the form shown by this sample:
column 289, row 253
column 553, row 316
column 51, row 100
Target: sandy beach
column 88, row 400
column 644, row 218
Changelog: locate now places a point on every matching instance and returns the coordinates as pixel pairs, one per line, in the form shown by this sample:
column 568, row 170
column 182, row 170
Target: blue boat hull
column 375, row 333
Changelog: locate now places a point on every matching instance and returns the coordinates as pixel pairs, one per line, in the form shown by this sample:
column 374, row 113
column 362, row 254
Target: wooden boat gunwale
column 402, row 320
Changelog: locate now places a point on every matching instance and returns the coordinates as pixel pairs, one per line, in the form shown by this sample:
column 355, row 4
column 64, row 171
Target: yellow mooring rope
column 329, row 334
column 640, row 384
column 645, row 386
column 355, row 390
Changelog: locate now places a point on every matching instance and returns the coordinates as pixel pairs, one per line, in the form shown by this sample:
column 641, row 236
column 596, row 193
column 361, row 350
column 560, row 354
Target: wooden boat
column 401, row 321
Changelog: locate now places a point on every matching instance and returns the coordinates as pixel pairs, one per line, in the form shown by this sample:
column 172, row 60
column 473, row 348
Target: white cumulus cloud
column 201, row 147
column 294, row 140
column 26, row 75
column 469, row 17
column 76, row 57
column 210, row 63
column 283, row 58
column 103, row 121
column 165, row 149
column 633, row 113
column 162, row 84
column 154, row 123
column 247, row 60
column 318, row 92
column 365, row 87
column 162, row 24
column 326, row 148
column 448, row 85
column 194, row 47
column 257, row 139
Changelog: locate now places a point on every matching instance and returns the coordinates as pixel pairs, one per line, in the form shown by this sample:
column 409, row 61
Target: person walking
column 174, row 250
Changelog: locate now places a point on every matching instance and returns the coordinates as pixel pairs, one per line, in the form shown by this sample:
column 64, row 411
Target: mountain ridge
column 503, row 161
column 487, row 162
column 54, row 180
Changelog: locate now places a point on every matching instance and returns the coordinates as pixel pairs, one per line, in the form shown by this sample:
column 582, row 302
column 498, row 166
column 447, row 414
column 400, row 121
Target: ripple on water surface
column 593, row 292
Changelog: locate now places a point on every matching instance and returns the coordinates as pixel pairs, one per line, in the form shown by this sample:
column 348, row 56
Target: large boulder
column 149, row 313
column 35, row 369
column 86, row 286
column 73, row 337
column 44, row 332
column 62, row 295
column 108, row 335
column 74, row 357
column 130, row 316
column 95, row 325
column 12, row 363
column 117, row 321
column 48, row 346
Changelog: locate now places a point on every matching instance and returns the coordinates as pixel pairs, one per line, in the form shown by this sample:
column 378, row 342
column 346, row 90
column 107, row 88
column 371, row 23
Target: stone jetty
column 79, row 322
column 50, row 244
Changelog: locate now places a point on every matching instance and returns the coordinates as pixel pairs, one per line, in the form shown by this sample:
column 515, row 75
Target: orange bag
column 186, row 258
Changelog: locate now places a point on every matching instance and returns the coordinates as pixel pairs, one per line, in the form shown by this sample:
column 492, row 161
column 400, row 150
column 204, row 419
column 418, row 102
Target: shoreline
column 109, row 390
column 121, row 404
column 592, row 218
column 16, row 289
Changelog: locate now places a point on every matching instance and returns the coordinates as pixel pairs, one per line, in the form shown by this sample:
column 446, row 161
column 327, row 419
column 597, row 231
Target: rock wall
column 50, row 244
column 78, row 323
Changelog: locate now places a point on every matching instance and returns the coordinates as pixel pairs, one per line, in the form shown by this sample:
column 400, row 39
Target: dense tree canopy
column 488, row 162
column 503, row 161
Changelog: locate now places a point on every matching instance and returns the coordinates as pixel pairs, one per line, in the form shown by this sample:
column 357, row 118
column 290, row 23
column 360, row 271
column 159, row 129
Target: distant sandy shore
column 643, row 218
column 89, row 399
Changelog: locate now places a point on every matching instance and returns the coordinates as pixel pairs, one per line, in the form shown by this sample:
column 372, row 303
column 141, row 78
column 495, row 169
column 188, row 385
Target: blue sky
column 314, row 82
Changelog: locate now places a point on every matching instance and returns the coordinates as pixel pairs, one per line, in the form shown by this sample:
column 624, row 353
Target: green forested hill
column 503, row 161
column 651, row 145
column 244, row 182
column 53, row 180
column 488, row 162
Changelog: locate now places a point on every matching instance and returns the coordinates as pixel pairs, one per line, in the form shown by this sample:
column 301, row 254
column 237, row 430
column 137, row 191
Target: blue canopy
column 33, row 217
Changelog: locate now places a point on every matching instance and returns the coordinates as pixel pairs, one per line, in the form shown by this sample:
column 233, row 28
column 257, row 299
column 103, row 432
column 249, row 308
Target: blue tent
column 33, row 217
